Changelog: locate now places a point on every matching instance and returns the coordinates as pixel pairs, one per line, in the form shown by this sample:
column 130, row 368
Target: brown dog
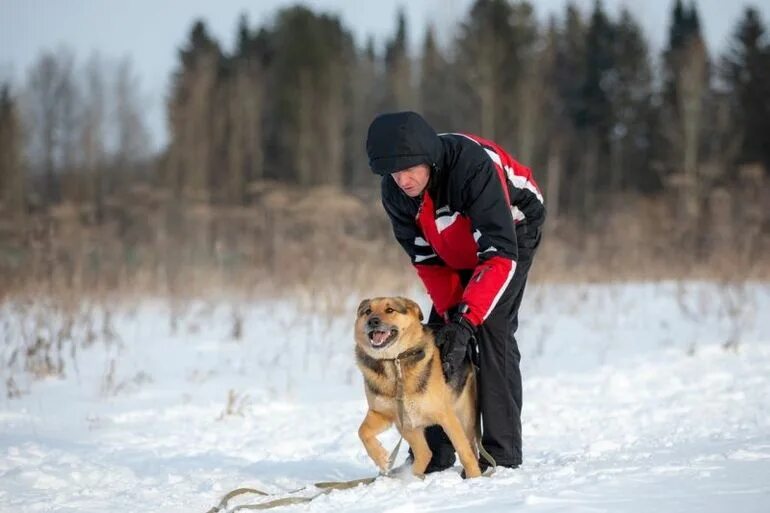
column 405, row 385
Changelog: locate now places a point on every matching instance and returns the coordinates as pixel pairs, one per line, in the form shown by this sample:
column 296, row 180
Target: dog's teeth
column 379, row 337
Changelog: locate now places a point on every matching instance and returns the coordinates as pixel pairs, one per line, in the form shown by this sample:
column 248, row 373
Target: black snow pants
column 499, row 376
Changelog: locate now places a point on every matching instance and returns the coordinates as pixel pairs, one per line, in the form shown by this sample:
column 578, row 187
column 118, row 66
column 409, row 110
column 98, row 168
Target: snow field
column 637, row 397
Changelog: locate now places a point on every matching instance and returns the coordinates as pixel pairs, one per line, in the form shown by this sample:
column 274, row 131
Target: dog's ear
column 362, row 307
column 413, row 307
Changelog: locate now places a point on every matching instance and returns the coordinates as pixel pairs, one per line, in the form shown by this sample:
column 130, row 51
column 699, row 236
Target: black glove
column 453, row 340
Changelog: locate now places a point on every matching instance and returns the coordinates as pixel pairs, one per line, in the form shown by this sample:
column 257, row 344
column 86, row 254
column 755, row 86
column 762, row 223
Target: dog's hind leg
column 375, row 423
column 456, row 432
column 422, row 453
column 468, row 419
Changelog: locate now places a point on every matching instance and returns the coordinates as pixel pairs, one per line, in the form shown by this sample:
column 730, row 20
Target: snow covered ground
column 639, row 397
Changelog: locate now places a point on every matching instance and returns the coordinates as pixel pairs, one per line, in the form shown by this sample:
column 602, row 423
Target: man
column 469, row 217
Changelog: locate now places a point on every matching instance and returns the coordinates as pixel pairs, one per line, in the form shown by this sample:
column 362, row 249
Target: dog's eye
column 368, row 311
column 389, row 310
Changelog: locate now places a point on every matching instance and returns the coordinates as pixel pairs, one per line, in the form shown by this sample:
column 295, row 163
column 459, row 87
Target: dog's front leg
column 375, row 423
column 422, row 453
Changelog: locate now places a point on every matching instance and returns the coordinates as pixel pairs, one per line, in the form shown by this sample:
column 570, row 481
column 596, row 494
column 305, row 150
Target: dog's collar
column 414, row 354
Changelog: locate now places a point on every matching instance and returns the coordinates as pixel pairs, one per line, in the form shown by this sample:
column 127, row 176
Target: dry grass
column 292, row 242
column 60, row 273
column 236, row 405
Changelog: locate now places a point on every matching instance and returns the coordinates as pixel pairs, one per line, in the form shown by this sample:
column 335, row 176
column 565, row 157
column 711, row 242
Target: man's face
column 413, row 180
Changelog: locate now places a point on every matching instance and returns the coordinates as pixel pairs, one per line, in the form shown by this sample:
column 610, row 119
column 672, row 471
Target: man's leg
column 500, row 387
column 500, row 382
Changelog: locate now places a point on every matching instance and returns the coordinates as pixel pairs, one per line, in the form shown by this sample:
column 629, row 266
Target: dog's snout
column 373, row 322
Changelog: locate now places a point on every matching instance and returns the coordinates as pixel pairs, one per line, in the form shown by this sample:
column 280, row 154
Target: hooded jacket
column 465, row 220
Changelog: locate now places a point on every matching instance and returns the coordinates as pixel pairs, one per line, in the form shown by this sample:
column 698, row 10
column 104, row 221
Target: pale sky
column 149, row 32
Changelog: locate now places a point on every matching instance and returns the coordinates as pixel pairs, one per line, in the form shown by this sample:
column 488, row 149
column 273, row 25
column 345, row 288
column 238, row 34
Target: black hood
column 401, row 140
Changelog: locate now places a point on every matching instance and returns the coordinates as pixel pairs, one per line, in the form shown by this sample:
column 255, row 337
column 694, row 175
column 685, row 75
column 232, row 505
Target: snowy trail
column 610, row 423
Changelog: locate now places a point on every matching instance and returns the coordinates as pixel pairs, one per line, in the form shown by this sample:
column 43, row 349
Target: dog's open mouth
column 381, row 337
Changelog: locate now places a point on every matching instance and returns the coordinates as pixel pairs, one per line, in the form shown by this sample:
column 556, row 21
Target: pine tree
column 630, row 98
column 367, row 96
column 596, row 114
column 570, row 64
column 683, row 127
column 243, row 45
column 242, row 102
column 567, row 74
column 311, row 71
column 486, row 64
column 192, row 105
column 400, row 93
column 436, row 85
column 678, row 31
column 527, row 89
column 746, row 71
column 684, row 32
column 556, row 123
column 595, row 119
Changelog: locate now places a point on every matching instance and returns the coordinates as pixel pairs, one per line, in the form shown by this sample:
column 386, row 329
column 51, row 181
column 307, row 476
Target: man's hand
column 453, row 339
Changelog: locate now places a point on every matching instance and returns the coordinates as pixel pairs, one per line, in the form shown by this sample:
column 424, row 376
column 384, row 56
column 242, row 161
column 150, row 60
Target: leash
column 325, row 487
column 328, row 486
column 409, row 353
column 483, row 452
column 400, row 409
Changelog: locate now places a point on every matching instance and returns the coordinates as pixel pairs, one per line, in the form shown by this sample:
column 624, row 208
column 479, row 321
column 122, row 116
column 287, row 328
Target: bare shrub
column 323, row 248
column 236, row 405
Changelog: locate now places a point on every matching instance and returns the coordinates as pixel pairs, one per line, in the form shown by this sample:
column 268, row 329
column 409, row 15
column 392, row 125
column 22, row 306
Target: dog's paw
column 382, row 461
column 405, row 472
column 403, row 469
column 471, row 471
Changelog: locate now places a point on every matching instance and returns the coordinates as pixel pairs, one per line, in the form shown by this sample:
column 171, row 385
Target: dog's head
column 387, row 326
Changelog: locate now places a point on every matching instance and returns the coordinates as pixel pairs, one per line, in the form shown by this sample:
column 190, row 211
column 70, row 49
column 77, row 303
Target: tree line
column 74, row 133
column 581, row 99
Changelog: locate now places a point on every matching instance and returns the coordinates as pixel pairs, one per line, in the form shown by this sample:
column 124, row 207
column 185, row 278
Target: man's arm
column 442, row 283
column 485, row 204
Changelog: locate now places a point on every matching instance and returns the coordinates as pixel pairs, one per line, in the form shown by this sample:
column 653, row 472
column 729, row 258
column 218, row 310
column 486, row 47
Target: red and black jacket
column 465, row 220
